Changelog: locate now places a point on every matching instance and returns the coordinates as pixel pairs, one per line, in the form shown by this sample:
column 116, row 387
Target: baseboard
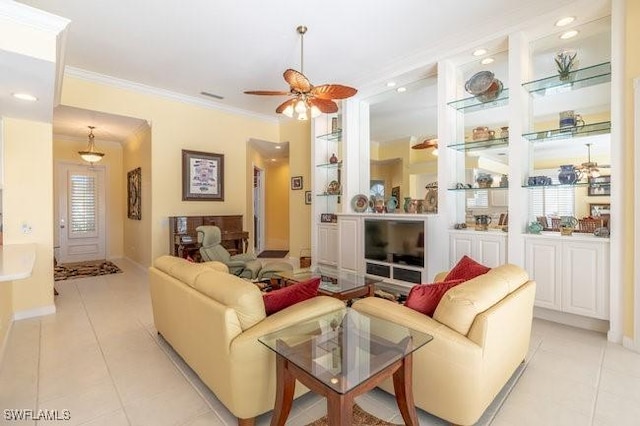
column 615, row 337
column 573, row 320
column 628, row 343
column 136, row 264
column 36, row 312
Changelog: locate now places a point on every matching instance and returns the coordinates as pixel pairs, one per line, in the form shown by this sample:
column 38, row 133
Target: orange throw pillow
column 280, row 299
column 466, row 269
column 424, row 298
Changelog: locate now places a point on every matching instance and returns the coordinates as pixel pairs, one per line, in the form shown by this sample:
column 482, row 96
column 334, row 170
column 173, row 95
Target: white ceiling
column 227, row 47
column 73, row 122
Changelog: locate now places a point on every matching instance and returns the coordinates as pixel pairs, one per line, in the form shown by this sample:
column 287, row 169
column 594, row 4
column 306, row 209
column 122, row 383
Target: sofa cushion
column 242, row 296
column 280, row 299
column 466, row 269
column 424, row 298
column 460, row 305
column 185, row 271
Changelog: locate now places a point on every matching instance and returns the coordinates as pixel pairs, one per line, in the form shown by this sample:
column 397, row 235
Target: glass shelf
column 479, row 145
column 478, row 189
column 572, row 132
column 578, row 79
column 333, row 136
column 580, row 184
column 324, row 194
column 472, row 104
column 337, row 165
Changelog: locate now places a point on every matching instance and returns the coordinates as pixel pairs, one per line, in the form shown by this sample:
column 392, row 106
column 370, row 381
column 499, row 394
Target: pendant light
column 90, row 154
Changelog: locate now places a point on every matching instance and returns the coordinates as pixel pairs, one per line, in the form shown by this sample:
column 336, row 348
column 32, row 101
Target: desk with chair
column 183, row 237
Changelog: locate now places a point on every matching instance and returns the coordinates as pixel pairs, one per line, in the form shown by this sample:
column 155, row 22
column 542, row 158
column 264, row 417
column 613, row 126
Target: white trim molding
column 119, row 83
column 635, row 344
column 32, row 17
column 35, row 312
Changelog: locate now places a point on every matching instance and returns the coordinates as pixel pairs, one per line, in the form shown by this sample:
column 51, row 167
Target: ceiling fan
column 591, row 168
column 306, row 97
column 428, row 143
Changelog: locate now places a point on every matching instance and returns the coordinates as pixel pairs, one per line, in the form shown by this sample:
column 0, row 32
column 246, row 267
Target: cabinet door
column 459, row 245
column 543, row 263
column 326, row 252
column 350, row 243
column 583, row 279
column 491, row 250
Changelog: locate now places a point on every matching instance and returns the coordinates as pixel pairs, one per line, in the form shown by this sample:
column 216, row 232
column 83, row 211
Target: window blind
column 83, row 204
column 551, row 200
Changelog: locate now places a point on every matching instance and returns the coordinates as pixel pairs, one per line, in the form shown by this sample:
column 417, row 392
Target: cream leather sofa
column 480, row 330
column 213, row 320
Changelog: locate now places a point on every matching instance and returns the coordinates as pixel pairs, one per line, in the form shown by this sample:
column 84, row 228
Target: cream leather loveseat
column 213, row 320
column 480, row 330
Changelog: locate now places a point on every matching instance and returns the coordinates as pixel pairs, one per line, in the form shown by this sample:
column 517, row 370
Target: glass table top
column 344, row 348
column 331, row 281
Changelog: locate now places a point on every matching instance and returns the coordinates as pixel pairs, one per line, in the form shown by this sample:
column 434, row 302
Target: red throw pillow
column 424, row 298
column 466, row 269
column 277, row 300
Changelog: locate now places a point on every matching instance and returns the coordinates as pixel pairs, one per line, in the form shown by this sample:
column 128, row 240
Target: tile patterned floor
column 100, row 358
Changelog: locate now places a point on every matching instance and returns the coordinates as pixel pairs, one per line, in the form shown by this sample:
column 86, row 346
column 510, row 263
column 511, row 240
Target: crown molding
column 119, row 83
column 32, row 17
column 70, row 138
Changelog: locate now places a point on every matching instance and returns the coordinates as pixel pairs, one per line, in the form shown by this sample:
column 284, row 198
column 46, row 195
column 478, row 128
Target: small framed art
column 307, row 197
column 296, row 182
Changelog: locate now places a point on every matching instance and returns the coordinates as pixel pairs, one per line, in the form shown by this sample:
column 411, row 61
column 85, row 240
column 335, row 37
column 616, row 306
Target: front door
column 82, row 213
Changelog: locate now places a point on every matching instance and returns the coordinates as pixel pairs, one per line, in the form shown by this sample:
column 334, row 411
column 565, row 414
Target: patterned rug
column 360, row 417
column 70, row 271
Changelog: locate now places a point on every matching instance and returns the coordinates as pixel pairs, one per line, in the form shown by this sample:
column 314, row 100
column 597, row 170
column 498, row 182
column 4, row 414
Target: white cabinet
column 571, row 273
column 328, row 244
column 351, row 251
column 488, row 248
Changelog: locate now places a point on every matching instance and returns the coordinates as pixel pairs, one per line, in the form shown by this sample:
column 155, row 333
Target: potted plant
column 565, row 61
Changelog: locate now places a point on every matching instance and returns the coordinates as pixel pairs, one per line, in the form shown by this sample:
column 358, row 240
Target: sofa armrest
column 440, row 276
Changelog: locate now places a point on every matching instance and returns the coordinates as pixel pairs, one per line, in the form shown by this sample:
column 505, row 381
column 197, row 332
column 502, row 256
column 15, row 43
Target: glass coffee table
column 341, row 355
column 339, row 284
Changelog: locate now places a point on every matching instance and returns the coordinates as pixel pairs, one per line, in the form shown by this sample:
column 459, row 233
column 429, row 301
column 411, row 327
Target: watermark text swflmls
column 17, row 414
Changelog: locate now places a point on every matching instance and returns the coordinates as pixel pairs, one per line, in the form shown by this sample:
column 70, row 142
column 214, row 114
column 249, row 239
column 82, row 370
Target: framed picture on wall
column 202, row 176
column 597, row 210
column 307, row 197
column 134, row 184
column 296, row 182
column 600, row 186
column 395, row 192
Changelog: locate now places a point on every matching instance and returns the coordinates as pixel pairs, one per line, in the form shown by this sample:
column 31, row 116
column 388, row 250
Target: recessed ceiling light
column 487, row 61
column 401, row 89
column 25, row 97
column 273, row 159
column 569, row 34
column 479, row 52
column 391, row 84
column 565, row 21
column 278, row 147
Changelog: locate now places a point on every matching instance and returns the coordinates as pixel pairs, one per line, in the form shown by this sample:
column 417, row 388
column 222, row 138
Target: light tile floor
column 99, row 356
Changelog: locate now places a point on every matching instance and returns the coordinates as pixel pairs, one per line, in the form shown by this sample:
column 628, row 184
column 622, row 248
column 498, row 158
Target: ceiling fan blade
column 325, row 105
column 297, row 81
column 267, row 92
column 285, row 104
column 333, row 91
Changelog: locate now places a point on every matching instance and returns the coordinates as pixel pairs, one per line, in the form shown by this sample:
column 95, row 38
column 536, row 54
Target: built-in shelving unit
column 578, row 79
column 565, row 185
column 479, row 189
column 473, row 104
column 572, row 132
column 480, row 145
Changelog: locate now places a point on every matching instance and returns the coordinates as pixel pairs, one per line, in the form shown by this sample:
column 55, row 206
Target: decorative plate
column 479, row 82
column 333, row 188
column 431, row 201
column 360, row 203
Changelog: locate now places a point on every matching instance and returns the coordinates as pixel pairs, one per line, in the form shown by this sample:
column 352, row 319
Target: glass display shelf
column 324, row 194
column 475, row 188
column 472, row 104
column 337, row 165
column 571, row 132
column 577, row 79
column 333, row 136
column 480, row 145
column 556, row 185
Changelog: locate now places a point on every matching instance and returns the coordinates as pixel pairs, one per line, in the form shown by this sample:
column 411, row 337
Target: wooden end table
column 342, row 355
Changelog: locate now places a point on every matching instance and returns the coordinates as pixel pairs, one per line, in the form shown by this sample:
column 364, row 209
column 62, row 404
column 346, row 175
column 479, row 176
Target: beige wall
column 175, row 126
column 632, row 70
column 28, row 199
column 137, row 233
column 65, row 151
column 277, row 186
column 6, row 311
column 298, row 134
column 253, row 159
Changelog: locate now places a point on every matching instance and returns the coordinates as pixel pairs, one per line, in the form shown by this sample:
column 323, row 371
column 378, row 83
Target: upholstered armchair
column 244, row 265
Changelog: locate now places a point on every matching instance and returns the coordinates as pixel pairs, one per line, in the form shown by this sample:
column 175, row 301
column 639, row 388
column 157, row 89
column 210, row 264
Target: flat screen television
column 394, row 241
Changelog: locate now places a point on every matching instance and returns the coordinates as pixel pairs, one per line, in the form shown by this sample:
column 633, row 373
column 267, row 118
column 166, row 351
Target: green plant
column 565, row 61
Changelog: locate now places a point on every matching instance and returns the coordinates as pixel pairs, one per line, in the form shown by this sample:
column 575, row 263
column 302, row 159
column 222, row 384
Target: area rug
column 360, row 417
column 274, row 253
column 70, row 271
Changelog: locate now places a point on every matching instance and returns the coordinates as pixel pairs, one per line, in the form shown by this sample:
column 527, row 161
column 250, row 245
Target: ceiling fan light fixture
column 315, row 111
column 91, row 155
column 302, row 116
column 301, row 106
